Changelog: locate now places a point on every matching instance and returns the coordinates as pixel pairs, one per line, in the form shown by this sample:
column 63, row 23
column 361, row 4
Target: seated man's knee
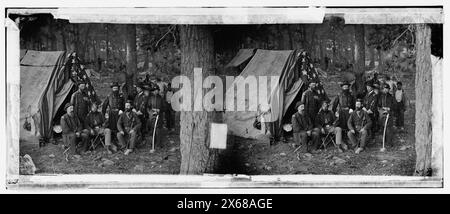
column 107, row 131
column 349, row 134
column 338, row 130
column 119, row 134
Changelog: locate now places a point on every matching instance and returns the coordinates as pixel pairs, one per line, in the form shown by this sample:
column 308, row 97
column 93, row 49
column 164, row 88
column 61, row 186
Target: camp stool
column 95, row 142
column 329, row 138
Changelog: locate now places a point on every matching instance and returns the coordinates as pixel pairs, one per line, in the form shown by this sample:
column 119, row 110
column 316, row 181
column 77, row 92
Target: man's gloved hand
column 120, row 112
column 350, row 111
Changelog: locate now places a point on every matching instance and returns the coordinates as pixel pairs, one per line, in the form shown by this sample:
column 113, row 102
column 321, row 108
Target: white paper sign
column 218, row 136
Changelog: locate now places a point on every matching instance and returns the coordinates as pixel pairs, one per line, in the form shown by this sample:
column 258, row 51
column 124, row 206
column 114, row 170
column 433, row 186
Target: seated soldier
column 358, row 123
column 96, row 124
column 325, row 123
column 128, row 126
column 302, row 127
column 72, row 131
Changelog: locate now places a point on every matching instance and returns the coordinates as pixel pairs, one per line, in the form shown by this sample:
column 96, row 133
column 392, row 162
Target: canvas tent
column 47, row 79
column 293, row 67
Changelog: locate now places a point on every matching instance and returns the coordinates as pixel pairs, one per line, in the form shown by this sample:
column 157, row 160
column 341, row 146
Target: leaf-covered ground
column 243, row 156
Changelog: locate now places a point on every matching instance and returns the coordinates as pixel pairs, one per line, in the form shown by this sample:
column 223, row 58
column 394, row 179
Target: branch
column 395, row 40
column 168, row 31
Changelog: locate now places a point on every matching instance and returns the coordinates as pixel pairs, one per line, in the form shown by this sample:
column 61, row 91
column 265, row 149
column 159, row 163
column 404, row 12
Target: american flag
column 308, row 72
column 78, row 73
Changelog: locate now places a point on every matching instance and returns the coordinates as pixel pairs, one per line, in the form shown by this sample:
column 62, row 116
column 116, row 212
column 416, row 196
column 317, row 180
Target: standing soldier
column 401, row 104
column 343, row 105
column 80, row 102
column 311, row 101
column 128, row 126
column 113, row 106
column 140, row 105
column 371, row 107
column 155, row 108
column 358, row 123
column 169, row 111
column 385, row 105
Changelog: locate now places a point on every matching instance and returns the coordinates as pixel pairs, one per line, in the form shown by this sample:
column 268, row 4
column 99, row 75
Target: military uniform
column 386, row 105
column 129, row 124
column 300, row 125
column 81, row 103
column 155, row 107
column 342, row 104
column 358, row 120
column 70, row 126
column 371, row 103
column 114, row 103
column 311, row 100
column 327, row 120
column 140, row 105
column 95, row 122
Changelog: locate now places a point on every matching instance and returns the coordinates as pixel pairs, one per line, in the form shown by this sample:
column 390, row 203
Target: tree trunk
column 146, row 60
column 424, row 88
column 107, row 46
column 360, row 59
column 131, row 57
column 197, row 50
column 372, row 57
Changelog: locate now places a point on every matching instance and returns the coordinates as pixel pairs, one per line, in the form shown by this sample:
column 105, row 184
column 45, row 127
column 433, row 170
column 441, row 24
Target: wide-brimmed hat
column 67, row 105
column 81, row 82
column 299, row 103
column 386, row 86
column 115, row 84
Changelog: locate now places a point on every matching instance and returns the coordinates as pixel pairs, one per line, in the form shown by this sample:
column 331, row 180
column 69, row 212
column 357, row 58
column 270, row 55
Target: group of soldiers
column 361, row 119
column 130, row 117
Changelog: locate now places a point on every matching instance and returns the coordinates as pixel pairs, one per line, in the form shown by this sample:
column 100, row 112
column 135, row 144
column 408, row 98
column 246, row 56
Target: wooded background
column 333, row 45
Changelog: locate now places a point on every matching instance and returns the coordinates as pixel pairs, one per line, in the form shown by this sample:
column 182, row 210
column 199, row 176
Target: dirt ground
column 244, row 156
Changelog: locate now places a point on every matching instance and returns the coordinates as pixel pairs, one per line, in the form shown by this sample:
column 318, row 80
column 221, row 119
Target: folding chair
column 95, row 142
column 329, row 138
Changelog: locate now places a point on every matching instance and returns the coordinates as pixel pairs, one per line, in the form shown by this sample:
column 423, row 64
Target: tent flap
column 242, row 56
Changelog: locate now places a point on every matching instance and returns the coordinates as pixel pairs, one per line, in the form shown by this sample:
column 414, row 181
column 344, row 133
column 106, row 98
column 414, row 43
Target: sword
column 384, row 133
column 154, row 131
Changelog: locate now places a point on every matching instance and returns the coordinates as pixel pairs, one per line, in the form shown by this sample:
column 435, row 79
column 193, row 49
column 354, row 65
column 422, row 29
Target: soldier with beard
column 72, row 131
column 386, row 106
column 358, row 123
column 128, row 126
column 113, row 106
column 371, row 106
column 140, row 105
column 302, row 127
column 311, row 101
column 80, row 102
column 343, row 105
